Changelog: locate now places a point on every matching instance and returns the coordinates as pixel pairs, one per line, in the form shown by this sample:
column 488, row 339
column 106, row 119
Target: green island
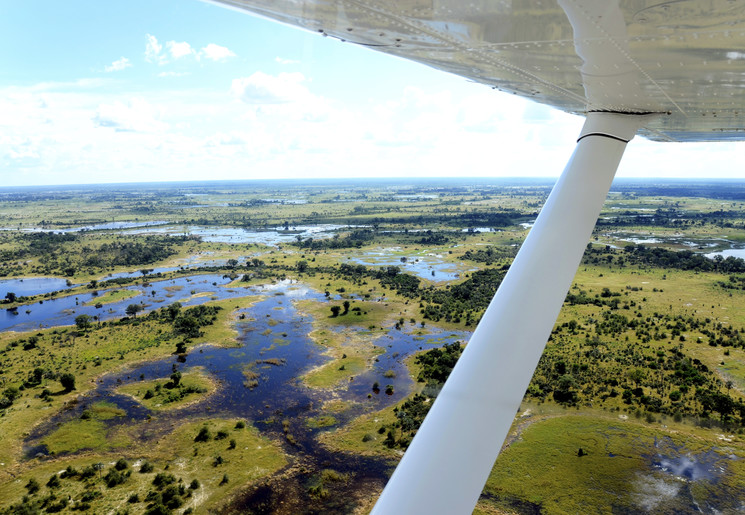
column 166, row 369
column 172, row 392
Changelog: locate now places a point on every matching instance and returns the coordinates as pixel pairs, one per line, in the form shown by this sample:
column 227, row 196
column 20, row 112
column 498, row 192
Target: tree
column 302, row 266
column 335, row 311
column 83, row 322
column 173, row 311
column 203, row 435
column 346, row 307
column 67, row 380
column 10, row 297
column 176, row 378
column 133, row 309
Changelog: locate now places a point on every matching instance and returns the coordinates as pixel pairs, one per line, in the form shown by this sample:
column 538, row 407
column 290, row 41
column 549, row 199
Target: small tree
column 335, row 311
column 10, row 297
column 32, row 486
column 346, row 307
column 133, row 309
column 203, row 435
column 83, row 322
column 67, row 380
column 176, row 378
column 302, row 266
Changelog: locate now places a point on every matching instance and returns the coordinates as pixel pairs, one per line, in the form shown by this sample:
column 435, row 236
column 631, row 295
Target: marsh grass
column 88, row 432
column 112, row 296
column 163, row 395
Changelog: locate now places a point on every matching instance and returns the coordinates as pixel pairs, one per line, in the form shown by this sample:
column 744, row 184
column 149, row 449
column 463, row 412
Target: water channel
column 271, row 328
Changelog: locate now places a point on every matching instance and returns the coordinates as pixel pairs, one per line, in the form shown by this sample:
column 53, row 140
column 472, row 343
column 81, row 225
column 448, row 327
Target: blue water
column 272, row 237
column 279, row 388
column 106, row 226
column 63, row 310
column 430, row 267
column 32, row 286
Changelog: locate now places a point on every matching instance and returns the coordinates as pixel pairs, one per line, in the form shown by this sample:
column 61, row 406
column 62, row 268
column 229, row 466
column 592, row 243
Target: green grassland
column 544, row 467
column 138, row 477
column 89, row 432
column 112, row 296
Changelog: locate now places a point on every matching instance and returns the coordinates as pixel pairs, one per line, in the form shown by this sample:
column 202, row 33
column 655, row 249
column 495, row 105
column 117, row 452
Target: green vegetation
column 173, row 476
column 613, row 469
column 67, row 253
column 113, row 296
column 87, row 432
column 171, row 393
column 650, row 342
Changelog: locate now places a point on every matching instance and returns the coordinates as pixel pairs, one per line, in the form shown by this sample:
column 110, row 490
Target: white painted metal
column 449, row 460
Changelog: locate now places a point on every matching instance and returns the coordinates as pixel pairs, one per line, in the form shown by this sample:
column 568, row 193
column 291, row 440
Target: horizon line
column 331, row 180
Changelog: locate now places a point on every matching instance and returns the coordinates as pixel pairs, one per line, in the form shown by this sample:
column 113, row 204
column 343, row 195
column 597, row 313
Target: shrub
column 203, row 435
column 32, row 486
column 162, row 479
column 67, row 380
column 54, row 481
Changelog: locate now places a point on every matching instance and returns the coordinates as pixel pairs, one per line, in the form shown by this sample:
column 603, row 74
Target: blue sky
column 184, row 90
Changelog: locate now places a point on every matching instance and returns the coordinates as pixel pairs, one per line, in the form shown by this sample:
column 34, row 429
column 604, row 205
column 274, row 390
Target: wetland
column 233, row 349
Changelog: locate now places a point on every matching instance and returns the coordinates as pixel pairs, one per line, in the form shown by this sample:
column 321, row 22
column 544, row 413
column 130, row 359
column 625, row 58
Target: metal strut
column 448, row 462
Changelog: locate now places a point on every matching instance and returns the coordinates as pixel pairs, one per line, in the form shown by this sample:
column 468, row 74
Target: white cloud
column 73, row 85
column 280, row 60
column 216, row 52
column 272, row 125
column 234, row 138
column 180, row 49
column 153, row 50
column 261, row 88
column 135, row 116
column 118, row 65
column 156, row 53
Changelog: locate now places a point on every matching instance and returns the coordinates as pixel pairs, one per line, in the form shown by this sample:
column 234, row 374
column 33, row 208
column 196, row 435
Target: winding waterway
column 271, row 328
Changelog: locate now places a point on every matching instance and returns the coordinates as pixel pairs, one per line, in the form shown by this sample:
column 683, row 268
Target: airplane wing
column 669, row 70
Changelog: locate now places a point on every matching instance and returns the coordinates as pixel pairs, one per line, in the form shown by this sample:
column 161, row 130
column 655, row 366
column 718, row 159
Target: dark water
column 63, row 310
column 279, row 396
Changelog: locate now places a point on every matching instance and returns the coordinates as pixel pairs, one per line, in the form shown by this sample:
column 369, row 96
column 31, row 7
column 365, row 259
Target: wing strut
column 449, row 460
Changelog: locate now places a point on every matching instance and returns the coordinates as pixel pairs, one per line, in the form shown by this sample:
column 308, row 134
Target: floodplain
column 272, row 347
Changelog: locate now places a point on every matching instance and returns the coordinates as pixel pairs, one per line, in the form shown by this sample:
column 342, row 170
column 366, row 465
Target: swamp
column 273, row 346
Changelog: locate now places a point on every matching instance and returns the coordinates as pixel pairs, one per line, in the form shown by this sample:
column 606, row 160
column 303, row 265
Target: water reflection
column 430, row 266
column 272, row 330
column 272, row 237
